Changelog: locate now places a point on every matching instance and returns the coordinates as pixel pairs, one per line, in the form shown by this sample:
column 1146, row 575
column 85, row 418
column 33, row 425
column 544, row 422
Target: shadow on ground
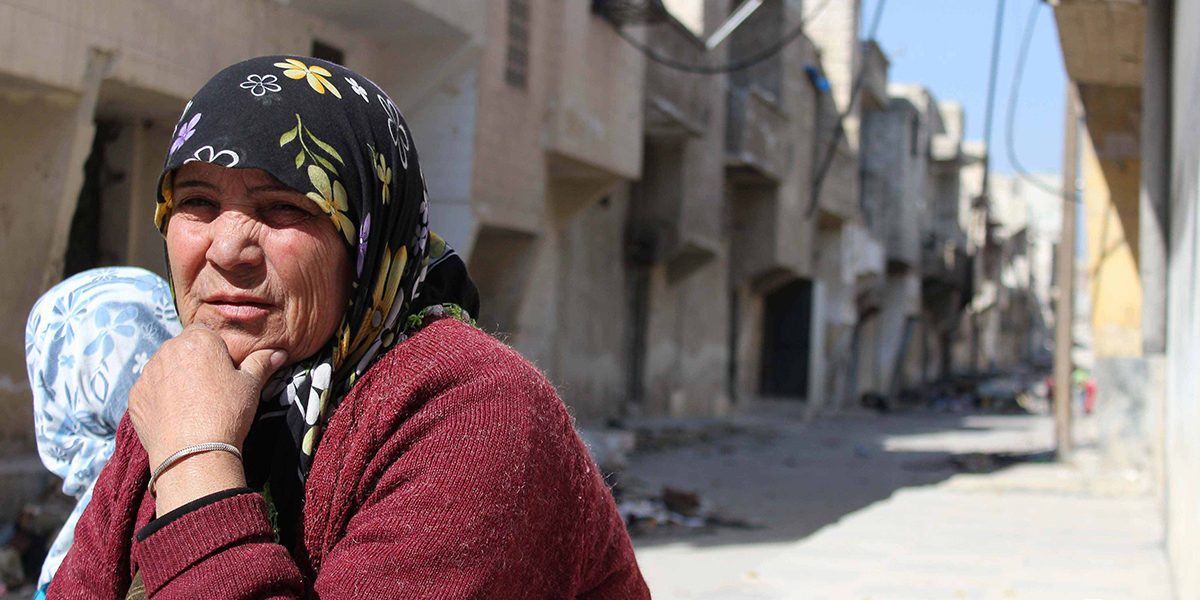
column 786, row 479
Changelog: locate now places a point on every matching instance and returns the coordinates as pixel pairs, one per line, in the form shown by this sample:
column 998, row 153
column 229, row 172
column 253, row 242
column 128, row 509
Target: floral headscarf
column 335, row 136
column 86, row 342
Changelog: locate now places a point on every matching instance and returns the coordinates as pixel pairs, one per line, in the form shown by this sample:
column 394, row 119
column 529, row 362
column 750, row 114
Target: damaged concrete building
column 660, row 241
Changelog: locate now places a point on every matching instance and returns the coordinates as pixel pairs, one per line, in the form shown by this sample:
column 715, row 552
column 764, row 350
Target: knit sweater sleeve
column 98, row 565
column 482, row 491
column 439, row 477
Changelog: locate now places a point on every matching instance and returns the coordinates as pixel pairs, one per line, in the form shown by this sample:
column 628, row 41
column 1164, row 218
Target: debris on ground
column 981, row 462
column 677, row 509
column 681, row 501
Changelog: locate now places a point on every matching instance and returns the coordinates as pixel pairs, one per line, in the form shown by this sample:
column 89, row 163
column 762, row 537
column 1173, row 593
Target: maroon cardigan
column 451, row 470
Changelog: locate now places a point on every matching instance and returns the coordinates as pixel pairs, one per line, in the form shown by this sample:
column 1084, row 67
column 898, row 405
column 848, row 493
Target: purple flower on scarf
column 363, row 233
column 185, row 133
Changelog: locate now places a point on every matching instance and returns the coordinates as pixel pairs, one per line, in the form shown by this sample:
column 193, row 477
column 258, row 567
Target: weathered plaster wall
column 170, row 47
column 443, row 129
column 32, row 175
column 1110, row 198
column 688, row 342
column 589, row 365
column 1183, row 304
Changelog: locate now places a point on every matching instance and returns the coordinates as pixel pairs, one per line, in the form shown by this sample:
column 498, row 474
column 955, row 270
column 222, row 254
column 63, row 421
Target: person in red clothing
column 329, row 422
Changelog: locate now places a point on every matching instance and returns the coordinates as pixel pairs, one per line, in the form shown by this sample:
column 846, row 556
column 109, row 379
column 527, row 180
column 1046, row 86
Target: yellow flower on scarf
column 315, row 75
column 343, row 345
column 332, row 200
column 383, row 301
column 162, row 209
column 384, row 174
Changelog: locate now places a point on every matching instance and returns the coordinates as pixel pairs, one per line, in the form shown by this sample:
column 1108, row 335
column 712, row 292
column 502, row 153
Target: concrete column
column 817, row 389
column 98, row 65
column 1154, row 220
column 1156, row 175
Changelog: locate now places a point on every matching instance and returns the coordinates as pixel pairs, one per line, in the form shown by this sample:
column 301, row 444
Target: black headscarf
column 336, row 137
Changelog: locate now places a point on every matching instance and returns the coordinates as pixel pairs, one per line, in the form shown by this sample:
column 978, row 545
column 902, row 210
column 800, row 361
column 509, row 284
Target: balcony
column 893, row 170
column 678, row 103
column 838, row 203
column 1103, row 41
column 594, row 100
column 675, row 209
column 755, row 137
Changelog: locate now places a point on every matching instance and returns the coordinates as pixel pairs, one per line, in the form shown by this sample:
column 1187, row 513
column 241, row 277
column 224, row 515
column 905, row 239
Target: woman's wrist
column 195, row 477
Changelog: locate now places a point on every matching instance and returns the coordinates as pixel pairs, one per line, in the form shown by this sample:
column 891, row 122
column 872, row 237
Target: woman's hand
column 189, row 393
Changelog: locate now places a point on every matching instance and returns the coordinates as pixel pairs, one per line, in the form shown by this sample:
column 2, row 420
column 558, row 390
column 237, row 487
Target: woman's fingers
column 192, row 392
column 261, row 364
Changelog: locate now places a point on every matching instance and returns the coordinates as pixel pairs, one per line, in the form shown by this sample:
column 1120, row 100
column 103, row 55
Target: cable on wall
column 840, row 130
column 736, row 65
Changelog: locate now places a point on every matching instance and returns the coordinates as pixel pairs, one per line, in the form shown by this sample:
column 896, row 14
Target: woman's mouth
column 239, row 309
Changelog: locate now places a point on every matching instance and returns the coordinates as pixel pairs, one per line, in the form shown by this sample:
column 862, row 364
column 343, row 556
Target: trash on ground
column 674, row 508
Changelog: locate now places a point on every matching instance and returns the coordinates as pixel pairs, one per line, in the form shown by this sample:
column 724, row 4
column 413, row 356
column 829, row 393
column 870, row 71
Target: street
column 917, row 505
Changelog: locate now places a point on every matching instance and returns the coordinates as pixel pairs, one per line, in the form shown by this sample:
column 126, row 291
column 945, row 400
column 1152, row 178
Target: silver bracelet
column 187, row 451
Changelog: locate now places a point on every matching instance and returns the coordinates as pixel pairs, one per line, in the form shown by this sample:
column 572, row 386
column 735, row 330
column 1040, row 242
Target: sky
column 946, row 46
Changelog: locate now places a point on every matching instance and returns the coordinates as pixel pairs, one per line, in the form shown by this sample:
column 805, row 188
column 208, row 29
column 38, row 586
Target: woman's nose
column 234, row 242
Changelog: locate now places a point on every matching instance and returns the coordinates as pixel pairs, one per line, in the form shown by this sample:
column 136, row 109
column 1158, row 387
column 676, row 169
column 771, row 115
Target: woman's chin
column 241, row 345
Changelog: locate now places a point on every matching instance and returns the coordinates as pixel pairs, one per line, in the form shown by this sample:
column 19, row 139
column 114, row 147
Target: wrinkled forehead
column 227, row 179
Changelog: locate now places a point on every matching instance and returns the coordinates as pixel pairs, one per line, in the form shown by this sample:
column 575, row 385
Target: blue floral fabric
column 86, row 342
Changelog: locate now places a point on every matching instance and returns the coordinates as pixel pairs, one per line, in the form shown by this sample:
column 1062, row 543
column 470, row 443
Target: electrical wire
column 1013, row 95
column 736, row 65
column 840, row 130
column 993, row 71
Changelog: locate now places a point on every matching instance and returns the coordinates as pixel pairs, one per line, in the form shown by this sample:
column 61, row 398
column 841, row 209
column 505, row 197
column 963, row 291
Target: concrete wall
column 32, row 171
column 678, row 229
column 167, row 48
column 1183, row 304
column 687, row 354
column 509, row 178
column 835, row 30
column 443, row 128
column 545, row 153
column 596, row 83
column 1110, row 198
column 588, row 363
column 893, row 174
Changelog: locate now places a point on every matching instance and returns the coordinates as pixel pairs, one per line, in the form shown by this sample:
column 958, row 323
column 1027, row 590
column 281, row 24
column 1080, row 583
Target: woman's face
column 255, row 261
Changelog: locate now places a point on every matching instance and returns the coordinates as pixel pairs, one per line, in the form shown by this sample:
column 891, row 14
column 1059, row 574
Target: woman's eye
column 285, row 213
column 287, row 210
column 197, row 207
column 195, row 202
column 286, row 207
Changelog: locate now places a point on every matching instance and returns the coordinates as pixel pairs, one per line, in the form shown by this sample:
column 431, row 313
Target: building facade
column 661, row 241
column 1134, row 67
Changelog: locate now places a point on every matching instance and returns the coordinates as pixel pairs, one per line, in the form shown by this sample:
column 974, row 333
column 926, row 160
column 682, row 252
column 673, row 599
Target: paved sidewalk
column 1029, row 531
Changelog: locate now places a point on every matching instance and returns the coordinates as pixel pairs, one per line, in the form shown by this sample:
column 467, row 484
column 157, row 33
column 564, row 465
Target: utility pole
column 1065, row 304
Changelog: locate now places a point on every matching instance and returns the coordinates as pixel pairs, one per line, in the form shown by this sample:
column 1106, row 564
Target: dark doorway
column 84, row 250
column 787, row 321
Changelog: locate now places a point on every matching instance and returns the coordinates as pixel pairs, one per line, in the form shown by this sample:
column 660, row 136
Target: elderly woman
column 329, row 423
